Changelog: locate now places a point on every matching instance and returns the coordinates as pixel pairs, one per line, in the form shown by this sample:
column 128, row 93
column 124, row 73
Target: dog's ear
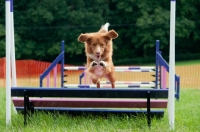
column 112, row 34
column 83, row 38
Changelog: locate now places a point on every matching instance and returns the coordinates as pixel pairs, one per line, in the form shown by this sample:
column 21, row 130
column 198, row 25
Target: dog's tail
column 104, row 28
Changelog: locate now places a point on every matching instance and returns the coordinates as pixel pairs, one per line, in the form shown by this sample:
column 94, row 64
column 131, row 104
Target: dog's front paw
column 102, row 63
column 93, row 64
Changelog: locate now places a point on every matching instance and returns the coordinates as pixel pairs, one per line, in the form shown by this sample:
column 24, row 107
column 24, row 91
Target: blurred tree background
column 40, row 25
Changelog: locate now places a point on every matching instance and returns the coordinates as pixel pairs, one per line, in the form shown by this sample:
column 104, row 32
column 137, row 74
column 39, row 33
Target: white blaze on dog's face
column 98, row 44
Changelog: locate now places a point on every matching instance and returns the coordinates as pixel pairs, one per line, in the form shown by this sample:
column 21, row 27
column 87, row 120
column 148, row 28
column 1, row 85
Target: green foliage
column 41, row 25
column 2, row 40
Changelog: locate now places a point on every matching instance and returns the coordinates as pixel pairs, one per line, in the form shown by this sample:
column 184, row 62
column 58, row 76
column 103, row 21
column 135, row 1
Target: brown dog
column 99, row 50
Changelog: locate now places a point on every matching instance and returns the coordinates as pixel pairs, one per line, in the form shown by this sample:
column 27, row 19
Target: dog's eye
column 101, row 45
column 94, row 45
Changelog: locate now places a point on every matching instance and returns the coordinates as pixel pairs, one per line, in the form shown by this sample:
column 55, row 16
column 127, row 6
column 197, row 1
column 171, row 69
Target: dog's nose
column 97, row 53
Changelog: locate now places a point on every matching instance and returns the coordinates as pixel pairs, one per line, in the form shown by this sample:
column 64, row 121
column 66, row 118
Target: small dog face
column 98, row 45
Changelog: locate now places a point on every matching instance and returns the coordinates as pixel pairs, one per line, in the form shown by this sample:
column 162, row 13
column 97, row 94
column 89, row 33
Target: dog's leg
column 106, row 65
column 93, row 64
column 90, row 64
column 113, row 85
column 98, row 85
column 109, row 71
column 96, row 81
column 103, row 63
column 111, row 78
column 90, row 69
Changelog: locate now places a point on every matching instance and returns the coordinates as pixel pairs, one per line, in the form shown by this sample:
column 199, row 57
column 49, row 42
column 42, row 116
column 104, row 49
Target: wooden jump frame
column 71, row 100
column 92, row 100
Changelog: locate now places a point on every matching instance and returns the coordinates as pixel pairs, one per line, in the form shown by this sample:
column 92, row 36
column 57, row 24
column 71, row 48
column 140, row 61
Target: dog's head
column 99, row 44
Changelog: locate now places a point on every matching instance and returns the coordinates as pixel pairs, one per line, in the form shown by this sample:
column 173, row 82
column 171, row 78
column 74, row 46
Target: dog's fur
column 99, row 50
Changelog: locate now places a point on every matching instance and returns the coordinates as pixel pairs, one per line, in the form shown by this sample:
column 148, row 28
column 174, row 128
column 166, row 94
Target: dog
column 99, row 51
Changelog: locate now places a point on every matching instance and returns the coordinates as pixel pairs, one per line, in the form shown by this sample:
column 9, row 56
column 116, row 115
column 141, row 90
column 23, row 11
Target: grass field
column 187, row 63
column 187, row 119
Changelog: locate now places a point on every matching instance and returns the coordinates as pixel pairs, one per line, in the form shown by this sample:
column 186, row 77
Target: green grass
column 187, row 119
column 186, row 63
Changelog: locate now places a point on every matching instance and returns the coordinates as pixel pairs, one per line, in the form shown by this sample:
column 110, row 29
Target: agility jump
column 86, row 98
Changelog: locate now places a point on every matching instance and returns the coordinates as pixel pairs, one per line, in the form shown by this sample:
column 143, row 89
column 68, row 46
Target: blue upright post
column 40, row 80
column 157, row 62
column 80, row 77
column 178, row 87
column 62, row 63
